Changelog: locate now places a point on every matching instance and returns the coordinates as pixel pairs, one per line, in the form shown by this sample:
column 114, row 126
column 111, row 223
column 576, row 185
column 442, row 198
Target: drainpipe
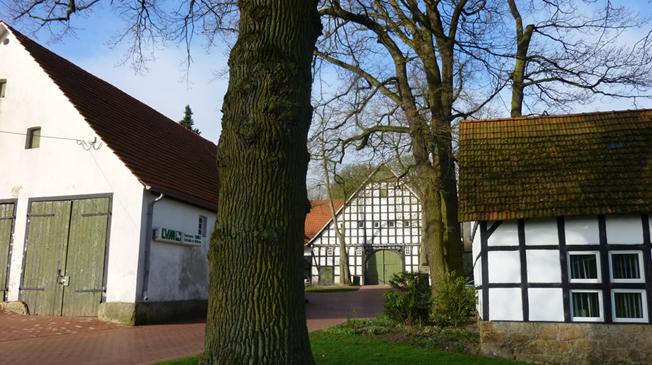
column 148, row 243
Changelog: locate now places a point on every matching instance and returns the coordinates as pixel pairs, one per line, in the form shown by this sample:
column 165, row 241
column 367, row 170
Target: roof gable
column 160, row 153
column 549, row 166
column 380, row 174
column 319, row 216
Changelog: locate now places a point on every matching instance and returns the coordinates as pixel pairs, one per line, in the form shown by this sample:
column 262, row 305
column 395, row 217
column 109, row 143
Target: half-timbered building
column 560, row 206
column 381, row 223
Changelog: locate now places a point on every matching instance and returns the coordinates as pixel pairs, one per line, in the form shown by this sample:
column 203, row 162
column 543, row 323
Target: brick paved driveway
column 48, row 340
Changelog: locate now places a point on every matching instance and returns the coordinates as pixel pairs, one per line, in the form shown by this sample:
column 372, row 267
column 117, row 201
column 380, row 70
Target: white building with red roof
column 106, row 205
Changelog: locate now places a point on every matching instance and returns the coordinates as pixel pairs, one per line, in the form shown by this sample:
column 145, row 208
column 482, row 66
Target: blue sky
column 165, row 85
column 168, row 87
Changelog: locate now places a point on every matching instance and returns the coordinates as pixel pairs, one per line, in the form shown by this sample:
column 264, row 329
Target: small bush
column 454, row 301
column 411, row 300
column 375, row 326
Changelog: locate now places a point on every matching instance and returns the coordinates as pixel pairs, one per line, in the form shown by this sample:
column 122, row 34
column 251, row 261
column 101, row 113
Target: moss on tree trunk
column 256, row 311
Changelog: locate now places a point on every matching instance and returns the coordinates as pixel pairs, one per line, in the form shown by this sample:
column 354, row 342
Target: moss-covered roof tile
column 581, row 164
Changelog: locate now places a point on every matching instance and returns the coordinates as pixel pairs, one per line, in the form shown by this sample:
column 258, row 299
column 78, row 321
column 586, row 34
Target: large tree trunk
column 256, row 311
column 454, row 249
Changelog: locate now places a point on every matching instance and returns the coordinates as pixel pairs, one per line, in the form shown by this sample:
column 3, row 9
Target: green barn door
column 381, row 266
column 85, row 259
column 7, row 215
column 393, row 264
column 326, row 275
column 47, row 238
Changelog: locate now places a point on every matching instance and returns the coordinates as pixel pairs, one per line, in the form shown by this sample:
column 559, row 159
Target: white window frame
column 641, row 268
column 643, row 303
column 598, row 267
column 600, row 306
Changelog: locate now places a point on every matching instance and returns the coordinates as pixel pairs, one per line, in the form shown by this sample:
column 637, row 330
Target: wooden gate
column 7, row 216
column 63, row 273
column 382, row 265
column 326, row 275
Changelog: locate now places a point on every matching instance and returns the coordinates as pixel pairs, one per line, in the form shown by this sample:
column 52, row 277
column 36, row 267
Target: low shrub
column 410, row 300
column 375, row 326
column 454, row 301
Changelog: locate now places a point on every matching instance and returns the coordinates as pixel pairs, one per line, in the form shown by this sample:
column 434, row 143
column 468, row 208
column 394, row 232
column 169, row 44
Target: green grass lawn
column 330, row 289
column 331, row 348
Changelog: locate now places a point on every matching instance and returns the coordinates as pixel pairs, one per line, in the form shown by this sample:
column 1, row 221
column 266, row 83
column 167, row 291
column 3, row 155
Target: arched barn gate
column 65, row 253
column 381, row 265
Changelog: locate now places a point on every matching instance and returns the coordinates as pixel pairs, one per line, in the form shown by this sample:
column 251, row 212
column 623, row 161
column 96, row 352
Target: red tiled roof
column 320, row 214
column 158, row 151
column 549, row 166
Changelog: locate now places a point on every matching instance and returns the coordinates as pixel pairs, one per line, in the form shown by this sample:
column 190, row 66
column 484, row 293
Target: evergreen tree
column 187, row 121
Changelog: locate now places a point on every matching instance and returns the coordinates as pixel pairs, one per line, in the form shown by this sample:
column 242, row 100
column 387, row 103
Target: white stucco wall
column 178, row 272
column 61, row 167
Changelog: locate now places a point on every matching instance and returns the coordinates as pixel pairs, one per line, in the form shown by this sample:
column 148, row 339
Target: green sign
column 173, row 236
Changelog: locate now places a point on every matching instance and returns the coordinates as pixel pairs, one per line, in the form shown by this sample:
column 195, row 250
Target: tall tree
column 414, row 68
column 187, row 121
column 405, row 51
column 256, row 309
column 566, row 54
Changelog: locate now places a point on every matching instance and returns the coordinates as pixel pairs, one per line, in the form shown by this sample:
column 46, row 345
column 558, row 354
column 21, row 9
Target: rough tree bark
column 256, row 311
column 523, row 38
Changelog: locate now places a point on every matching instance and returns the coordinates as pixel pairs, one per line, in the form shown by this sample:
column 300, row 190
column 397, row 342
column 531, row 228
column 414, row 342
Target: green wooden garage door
column 382, row 265
column 7, row 214
column 64, row 259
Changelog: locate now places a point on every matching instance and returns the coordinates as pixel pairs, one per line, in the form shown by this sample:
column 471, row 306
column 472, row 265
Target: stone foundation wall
column 568, row 343
column 153, row 312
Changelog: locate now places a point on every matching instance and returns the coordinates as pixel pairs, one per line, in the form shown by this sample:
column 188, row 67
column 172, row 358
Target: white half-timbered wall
column 567, row 269
column 381, row 215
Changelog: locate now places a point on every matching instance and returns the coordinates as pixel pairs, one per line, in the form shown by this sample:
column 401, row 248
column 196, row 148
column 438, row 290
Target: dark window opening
column 586, row 304
column 3, row 87
column 625, row 266
column 33, row 138
column 583, row 267
column 628, row 305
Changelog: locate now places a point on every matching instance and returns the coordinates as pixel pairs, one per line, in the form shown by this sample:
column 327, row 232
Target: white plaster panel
column 504, row 267
column 546, row 304
column 505, row 304
column 478, row 302
column 179, row 272
column 475, row 247
column 505, row 235
column 541, row 232
column 582, row 231
column 624, row 230
column 477, row 273
column 543, row 266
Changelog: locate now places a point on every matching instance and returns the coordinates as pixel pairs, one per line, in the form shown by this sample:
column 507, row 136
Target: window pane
column 625, row 266
column 586, row 305
column 33, row 138
column 628, row 305
column 584, row 266
column 3, row 87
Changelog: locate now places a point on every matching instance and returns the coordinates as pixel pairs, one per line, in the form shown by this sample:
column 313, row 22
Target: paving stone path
column 58, row 340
